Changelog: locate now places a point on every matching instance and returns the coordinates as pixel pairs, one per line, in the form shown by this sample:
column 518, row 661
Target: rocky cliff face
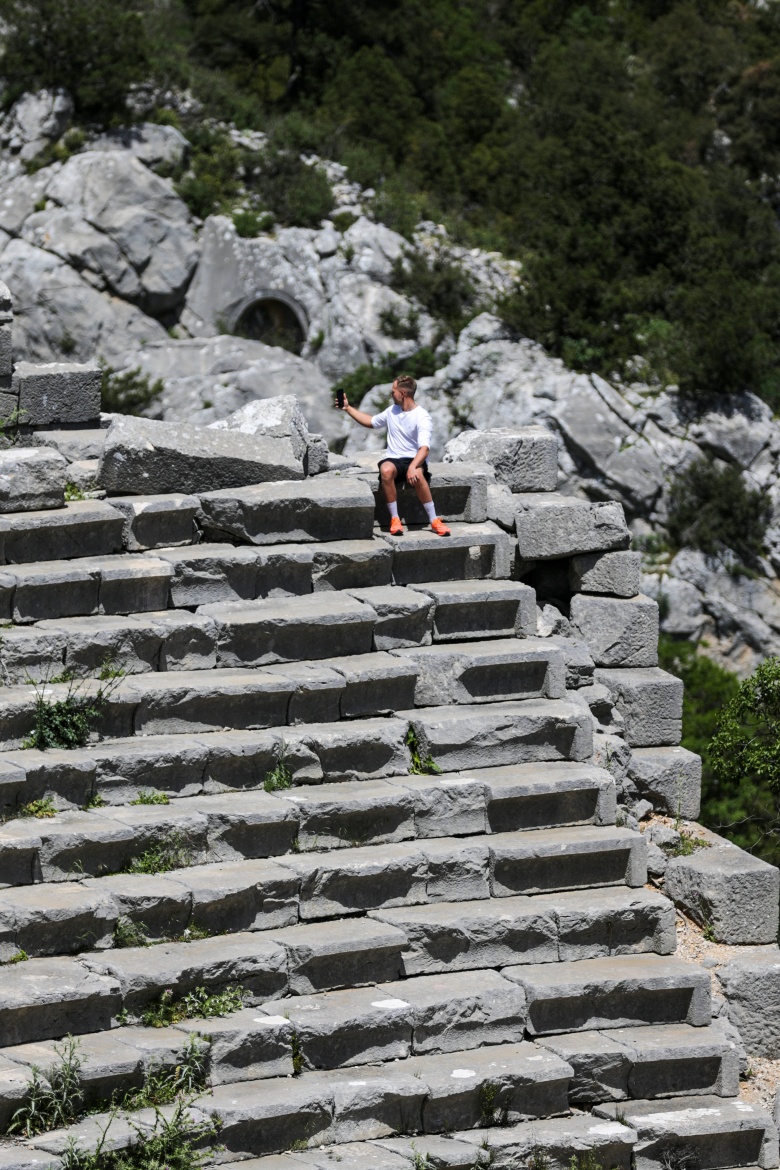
column 104, row 259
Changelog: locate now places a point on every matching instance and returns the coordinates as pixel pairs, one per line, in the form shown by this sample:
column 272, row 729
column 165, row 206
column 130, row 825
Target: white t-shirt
column 407, row 430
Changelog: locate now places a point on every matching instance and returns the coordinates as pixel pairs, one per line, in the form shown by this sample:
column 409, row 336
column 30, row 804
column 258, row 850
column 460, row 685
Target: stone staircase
column 345, row 775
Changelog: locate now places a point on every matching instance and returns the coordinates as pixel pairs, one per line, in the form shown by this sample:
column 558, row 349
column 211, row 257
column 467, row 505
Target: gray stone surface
column 557, row 1140
column 618, row 632
column 550, row 526
column 491, row 735
column 157, row 522
column 81, row 529
column 334, row 816
column 650, row 703
column 526, row 459
column 571, row 858
column 322, row 509
column 352, row 564
column 618, row 574
column 327, row 955
column 751, row 983
column 403, row 617
column 143, row 457
column 486, row 672
column 31, row 478
column 613, row 993
column 670, row 777
column 727, row 890
column 47, row 998
column 720, row 1132
column 481, row 609
column 58, row 392
column 473, row 552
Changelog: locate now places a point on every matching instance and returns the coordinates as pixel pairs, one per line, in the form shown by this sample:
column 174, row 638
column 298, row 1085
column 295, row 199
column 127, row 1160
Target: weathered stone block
column 670, row 777
column 157, row 521
column 526, row 459
column 729, row 890
column 145, row 458
column 321, row 509
column 563, row 526
column 57, row 392
column 31, row 478
column 618, row 632
column 650, row 702
column 751, row 982
column 616, row 573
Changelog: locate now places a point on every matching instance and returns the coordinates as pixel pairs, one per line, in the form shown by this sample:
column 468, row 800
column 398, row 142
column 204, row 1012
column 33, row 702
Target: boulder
column 34, row 121
column 31, row 479
column 140, row 212
column 143, row 457
column 526, row 459
column 279, row 417
column 553, row 526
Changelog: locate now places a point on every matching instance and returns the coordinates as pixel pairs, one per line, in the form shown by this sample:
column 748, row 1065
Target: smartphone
column 340, row 398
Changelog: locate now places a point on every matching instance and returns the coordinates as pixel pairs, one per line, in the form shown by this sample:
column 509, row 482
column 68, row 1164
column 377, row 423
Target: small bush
column 399, row 327
column 174, row 1143
column 164, row 1085
column 55, row 1098
column 357, row 384
column 440, row 286
column 129, row 934
column 297, row 194
column 712, row 509
column 687, row 845
column 747, row 740
column 66, row 723
column 129, row 392
column 197, row 1004
column 249, row 224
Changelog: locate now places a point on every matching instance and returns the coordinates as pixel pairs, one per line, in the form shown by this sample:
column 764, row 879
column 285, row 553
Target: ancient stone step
column 460, row 492
column 84, row 528
column 494, row 734
column 486, row 671
column 650, row 702
column 320, row 509
column 87, row 585
column 262, row 893
column 116, row 771
column 464, row 936
column 715, row 1132
column 472, row 552
column 613, row 993
column 427, row 1093
column 480, row 609
column 666, row 1060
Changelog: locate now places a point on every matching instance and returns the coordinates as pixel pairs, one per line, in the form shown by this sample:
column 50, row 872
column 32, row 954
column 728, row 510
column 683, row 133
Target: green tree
column 712, row 509
column 94, row 49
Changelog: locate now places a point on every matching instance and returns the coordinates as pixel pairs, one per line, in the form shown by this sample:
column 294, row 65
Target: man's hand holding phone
column 341, row 399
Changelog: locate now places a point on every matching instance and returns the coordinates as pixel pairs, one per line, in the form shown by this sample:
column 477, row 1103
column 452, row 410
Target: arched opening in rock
column 272, row 321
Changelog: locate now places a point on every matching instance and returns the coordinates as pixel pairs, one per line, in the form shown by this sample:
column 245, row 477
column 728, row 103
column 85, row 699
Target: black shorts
column 402, row 466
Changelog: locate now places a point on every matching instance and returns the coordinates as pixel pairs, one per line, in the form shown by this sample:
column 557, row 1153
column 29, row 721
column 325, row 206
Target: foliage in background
column 129, row 392
column 712, row 509
column 420, row 365
column 738, row 803
column 627, row 151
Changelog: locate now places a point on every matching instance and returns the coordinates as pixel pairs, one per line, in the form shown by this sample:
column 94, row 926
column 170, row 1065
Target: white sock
column 393, row 510
column 430, row 511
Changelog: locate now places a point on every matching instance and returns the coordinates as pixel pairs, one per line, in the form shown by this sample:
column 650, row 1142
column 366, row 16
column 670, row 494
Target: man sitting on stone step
column 408, row 443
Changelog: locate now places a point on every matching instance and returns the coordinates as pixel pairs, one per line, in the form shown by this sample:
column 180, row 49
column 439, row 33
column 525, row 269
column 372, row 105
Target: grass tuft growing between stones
column 55, row 1098
column 42, row 809
column 151, row 796
column 130, row 934
column 420, row 765
column 197, row 1004
column 687, row 845
column 68, row 723
column 175, row 1143
column 173, row 852
column 280, row 776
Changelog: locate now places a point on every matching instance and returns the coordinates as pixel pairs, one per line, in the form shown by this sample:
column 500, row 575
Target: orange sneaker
column 439, row 527
column 396, row 527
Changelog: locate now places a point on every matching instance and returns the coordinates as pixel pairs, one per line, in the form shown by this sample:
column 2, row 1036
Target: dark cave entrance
column 272, row 321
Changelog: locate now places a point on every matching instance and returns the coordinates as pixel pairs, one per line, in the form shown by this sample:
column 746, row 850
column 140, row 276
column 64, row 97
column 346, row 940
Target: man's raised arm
column 359, row 416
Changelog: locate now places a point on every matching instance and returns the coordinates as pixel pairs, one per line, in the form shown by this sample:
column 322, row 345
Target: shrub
column 440, row 286
column 280, row 776
column 196, row 1004
column 296, row 193
column 174, row 1142
column 66, row 723
column 94, row 49
column 54, row 1099
column 357, row 384
column 420, row 765
column 173, row 852
column 712, row 509
column 128, row 392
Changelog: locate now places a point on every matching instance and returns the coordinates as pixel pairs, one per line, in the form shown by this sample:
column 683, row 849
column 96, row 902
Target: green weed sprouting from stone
column 420, row 765
column 280, row 776
column 173, row 852
column 130, row 934
column 95, row 801
column 151, row 796
column 491, row 1113
column 678, row 1156
column 420, row 1161
column 174, row 1143
column 73, row 493
column 538, row 1159
column 42, row 809
column 297, row 1054
column 67, row 723
column 687, row 845
column 55, row 1098
column 196, row 1004
column 163, row 1085
column 19, row 956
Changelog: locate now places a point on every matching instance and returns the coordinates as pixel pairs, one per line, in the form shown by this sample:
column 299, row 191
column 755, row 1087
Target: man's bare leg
column 423, row 491
column 387, row 474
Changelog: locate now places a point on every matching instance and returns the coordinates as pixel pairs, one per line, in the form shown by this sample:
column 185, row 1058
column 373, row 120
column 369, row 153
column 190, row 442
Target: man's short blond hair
column 406, row 382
